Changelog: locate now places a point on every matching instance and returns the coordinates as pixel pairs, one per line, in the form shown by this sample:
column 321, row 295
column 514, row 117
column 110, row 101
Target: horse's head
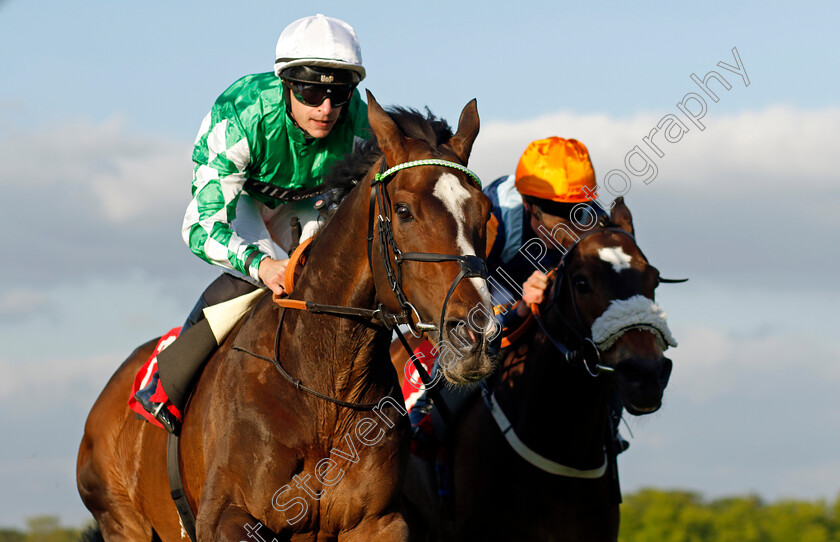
column 428, row 234
column 607, row 290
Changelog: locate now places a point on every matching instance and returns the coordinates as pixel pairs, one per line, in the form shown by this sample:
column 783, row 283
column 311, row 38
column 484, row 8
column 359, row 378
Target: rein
column 297, row 383
column 589, row 352
column 471, row 266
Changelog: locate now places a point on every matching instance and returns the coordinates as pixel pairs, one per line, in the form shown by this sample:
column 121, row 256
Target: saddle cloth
column 144, row 376
column 221, row 319
column 413, row 387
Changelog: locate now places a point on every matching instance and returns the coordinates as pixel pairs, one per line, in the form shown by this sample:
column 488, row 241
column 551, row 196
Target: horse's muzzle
column 642, row 382
column 464, row 353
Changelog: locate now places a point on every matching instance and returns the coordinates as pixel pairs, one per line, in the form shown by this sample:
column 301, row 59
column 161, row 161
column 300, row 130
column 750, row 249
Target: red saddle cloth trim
column 426, row 354
column 144, row 376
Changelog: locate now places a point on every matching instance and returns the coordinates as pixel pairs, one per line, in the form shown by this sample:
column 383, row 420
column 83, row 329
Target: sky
column 100, row 103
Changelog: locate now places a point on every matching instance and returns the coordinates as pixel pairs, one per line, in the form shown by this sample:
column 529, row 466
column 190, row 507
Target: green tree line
column 650, row 515
column 41, row 529
column 653, row 515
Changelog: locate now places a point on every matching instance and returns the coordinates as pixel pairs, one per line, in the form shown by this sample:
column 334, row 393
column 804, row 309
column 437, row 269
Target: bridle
column 471, row 266
column 587, row 354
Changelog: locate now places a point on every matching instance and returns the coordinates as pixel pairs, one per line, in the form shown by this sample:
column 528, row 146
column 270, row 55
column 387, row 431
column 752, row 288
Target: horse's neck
column 338, row 352
column 560, row 410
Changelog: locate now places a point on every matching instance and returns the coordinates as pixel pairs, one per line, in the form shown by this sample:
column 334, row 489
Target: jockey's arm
column 222, row 158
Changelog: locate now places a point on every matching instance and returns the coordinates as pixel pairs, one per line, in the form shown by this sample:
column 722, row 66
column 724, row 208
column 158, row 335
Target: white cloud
column 58, row 381
column 710, row 363
column 21, row 302
column 132, row 178
column 104, row 167
column 775, row 151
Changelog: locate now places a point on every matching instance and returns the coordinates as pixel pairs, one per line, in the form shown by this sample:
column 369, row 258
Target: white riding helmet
column 319, row 41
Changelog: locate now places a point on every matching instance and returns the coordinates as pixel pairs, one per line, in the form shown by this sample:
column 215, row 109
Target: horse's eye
column 582, row 285
column 403, row 212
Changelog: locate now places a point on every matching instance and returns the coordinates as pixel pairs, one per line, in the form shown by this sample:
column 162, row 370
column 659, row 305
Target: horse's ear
column 388, row 135
column 620, row 215
column 463, row 139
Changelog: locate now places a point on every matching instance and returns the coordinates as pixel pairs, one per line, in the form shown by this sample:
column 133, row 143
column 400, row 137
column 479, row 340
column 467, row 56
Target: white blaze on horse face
column 615, row 256
column 449, row 190
column 453, row 195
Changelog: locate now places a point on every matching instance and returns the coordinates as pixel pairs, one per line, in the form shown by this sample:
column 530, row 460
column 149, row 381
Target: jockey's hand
column 533, row 291
column 272, row 272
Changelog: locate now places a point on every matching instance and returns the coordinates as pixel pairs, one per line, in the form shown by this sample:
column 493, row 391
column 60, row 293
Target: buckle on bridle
column 473, row 267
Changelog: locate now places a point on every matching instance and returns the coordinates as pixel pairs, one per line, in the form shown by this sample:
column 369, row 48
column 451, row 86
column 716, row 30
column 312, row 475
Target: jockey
column 260, row 156
column 553, row 189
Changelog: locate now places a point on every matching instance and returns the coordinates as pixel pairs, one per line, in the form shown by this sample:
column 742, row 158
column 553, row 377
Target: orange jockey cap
column 556, row 169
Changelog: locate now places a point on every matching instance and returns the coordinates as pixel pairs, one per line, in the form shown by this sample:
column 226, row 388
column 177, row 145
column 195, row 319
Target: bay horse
column 533, row 456
column 260, row 455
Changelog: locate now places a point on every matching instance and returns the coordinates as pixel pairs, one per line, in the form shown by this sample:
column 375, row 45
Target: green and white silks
column 248, row 135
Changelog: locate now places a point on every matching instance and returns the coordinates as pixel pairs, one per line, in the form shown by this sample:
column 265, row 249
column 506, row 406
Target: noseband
column 588, row 354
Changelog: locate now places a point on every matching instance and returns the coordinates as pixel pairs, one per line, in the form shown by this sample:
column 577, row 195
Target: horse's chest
column 338, row 487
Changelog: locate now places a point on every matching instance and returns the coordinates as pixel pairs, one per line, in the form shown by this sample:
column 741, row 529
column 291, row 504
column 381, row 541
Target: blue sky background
column 100, row 103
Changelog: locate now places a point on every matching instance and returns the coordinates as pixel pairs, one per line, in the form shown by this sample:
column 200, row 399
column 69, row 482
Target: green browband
column 379, row 177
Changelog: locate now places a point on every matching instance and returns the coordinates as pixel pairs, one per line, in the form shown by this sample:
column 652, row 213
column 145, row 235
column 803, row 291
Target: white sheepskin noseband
column 622, row 315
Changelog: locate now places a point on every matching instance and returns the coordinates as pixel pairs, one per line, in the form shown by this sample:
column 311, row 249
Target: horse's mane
column 346, row 172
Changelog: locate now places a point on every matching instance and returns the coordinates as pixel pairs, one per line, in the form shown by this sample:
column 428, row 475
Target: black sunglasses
column 313, row 94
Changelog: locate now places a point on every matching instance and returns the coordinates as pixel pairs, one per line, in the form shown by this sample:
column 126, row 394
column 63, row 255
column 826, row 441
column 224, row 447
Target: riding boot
column 422, row 407
column 180, row 363
column 144, row 396
column 420, row 418
column 423, row 441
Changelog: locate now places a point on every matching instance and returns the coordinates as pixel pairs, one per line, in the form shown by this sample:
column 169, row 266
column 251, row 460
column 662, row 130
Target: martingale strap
column 527, row 453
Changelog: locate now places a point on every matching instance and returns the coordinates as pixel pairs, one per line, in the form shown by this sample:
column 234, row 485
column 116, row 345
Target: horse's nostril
column 631, row 374
column 460, row 334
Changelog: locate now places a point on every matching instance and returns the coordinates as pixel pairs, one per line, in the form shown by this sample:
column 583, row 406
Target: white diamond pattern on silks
column 207, row 222
column 190, row 218
column 205, row 125
column 239, row 154
column 231, row 186
column 216, row 251
column 216, row 140
column 203, row 175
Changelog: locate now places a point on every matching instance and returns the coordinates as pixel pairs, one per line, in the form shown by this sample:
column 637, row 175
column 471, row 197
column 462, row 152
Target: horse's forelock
column 414, row 124
column 411, row 122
